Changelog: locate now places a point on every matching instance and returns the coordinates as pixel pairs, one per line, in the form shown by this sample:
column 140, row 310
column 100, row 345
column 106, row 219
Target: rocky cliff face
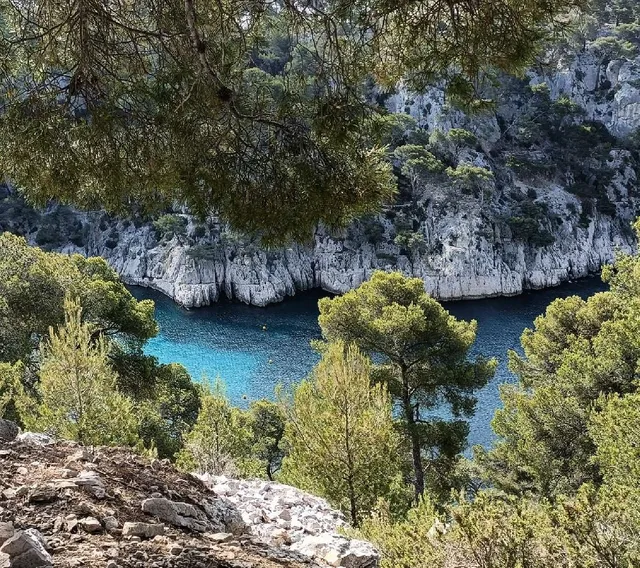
column 558, row 202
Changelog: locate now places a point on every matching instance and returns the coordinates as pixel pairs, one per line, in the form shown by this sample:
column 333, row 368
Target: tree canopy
column 578, row 351
column 256, row 110
column 425, row 363
column 340, row 435
column 34, row 284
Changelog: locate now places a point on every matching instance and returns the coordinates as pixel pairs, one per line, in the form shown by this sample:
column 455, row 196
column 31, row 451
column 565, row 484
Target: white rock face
column 589, row 79
column 466, row 257
column 469, row 252
column 288, row 517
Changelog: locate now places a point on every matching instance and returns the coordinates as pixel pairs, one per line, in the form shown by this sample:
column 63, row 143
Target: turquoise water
column 253, row 349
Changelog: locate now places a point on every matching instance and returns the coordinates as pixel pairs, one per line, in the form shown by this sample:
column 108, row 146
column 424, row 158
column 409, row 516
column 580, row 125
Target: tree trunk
column 353, row 505
column 412, row 428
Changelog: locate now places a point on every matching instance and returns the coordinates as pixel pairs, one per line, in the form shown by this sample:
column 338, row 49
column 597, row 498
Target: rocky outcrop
column 466, row 256
column 468, row 249
column 148, row 514
column 283, row 515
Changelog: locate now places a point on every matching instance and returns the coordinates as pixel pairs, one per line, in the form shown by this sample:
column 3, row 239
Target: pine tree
column 220, row 441
column 79, row 396
column 425, row 364
column 340, row 435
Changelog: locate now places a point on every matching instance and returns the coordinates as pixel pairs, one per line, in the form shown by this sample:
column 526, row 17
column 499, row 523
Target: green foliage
column 33, row 285
column 78, row 389
column 406, row 543
column 411, row 241
column 234, row 107
column 167, row 408
column 417, row 161
column 563, row 144
column 267, row 421
column 425, row 364
column 525, row 225
column 609, row 47
column 471, row 179
column 220, row 441
column 543, row 443
column 616, row 434
column 579, row 351
column 565, row 473
column 170, row 225
column 32, row 294
column 396, row 128
column 14, row 401
column 461, row 137
column 340, row 435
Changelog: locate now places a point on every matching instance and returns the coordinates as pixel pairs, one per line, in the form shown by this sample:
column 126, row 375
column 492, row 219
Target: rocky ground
column 65, row 505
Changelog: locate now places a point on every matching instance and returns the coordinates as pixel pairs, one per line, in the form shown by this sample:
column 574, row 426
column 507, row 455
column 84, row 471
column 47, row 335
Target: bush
column 527, row 229
column 411, row 241
column 610, row 47
column 468, row 177
column 170, row 225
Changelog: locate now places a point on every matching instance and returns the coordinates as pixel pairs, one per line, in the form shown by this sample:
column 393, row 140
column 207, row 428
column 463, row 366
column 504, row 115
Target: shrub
column 170, row 225
column 411, row 241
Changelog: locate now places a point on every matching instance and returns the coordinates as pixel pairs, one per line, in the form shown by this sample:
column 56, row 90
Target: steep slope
column 69, row 506
column 562, row 158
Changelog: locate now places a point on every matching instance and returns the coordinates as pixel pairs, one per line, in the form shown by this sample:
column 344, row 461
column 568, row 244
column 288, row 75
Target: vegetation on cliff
column 239, row 106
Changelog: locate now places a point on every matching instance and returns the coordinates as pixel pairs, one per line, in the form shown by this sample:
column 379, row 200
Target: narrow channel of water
column 253, row 349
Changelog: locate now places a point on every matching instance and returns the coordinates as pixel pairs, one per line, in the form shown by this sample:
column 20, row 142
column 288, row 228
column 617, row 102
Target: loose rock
column 177, row 513
column 146, row 530
column 26, row 550
column 8, row 430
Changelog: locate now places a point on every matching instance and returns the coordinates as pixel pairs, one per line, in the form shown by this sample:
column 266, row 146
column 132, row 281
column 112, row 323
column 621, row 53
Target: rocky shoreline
column 468, row 265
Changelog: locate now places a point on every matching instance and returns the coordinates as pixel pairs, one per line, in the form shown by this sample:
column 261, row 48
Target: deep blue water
column 253, row 349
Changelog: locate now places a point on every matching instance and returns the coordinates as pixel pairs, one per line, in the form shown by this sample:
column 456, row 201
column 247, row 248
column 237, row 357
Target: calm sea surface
column 253, row 349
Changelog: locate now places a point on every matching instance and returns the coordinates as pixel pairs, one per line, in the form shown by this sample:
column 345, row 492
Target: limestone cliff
column 557, row 203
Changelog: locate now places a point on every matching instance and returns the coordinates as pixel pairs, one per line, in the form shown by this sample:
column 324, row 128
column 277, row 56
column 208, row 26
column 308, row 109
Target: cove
column 254, row 349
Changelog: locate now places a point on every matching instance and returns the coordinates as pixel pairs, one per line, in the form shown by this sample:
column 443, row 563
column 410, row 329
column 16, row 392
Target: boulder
column 177, row 513
column 35, row 439
column 91, row 482
column 110, row 523
column 8, row 430
column 90, row 524
column 26, row 550
column 224, row 515
column 143, row 530
column 45, row 493
column 6, row 532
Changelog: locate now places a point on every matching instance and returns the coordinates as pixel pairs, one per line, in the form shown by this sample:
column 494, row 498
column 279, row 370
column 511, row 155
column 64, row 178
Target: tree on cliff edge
column 425, row 364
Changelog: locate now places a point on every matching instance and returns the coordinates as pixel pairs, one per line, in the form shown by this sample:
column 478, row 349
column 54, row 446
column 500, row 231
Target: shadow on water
column 253, row 349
